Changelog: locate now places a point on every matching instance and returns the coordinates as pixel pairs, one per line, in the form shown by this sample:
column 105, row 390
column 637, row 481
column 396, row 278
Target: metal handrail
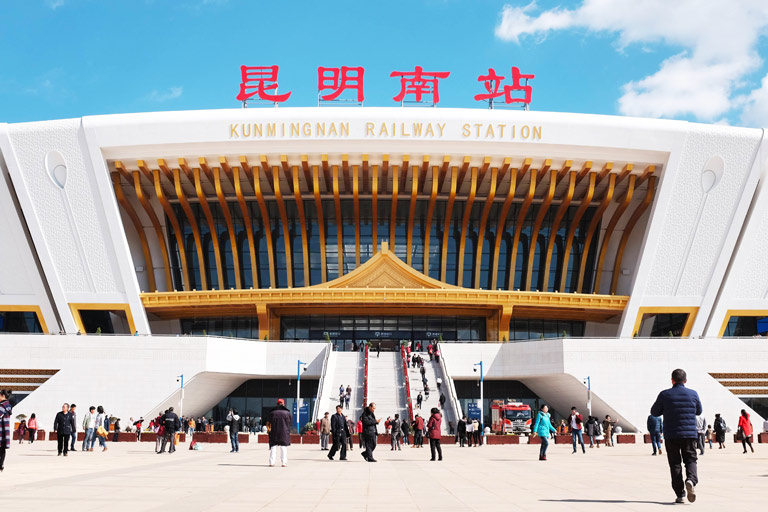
column 451, row 387
column 321, row 382
column 407, row 384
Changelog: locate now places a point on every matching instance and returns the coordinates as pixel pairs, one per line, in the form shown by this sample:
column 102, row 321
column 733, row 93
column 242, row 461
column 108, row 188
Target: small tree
column 98, row 330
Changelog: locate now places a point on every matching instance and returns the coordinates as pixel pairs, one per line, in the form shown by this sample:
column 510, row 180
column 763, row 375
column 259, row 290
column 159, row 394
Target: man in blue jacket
column 655, row 427
column 680, row 406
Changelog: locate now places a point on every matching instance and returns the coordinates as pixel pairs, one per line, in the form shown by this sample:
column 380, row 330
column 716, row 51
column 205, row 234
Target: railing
column 451, row 387
column 407, row 384
column 365, row 378
column 322, row 381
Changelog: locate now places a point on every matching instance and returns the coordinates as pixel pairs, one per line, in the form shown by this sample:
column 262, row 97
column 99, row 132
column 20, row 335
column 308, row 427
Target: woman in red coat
column 434, row 433
column 746, row 431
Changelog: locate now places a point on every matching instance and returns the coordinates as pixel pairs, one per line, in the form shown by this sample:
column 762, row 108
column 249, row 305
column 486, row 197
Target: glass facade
column 254, row 399
column 348, row 332
column 537, row 328
column 664, row 324
column 231, row 326
column 747, row 326
column 341, row 251
column 19, row 321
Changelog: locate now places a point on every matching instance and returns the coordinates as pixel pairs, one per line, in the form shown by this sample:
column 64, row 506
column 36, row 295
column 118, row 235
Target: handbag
column 740, row 434
column 101, row 432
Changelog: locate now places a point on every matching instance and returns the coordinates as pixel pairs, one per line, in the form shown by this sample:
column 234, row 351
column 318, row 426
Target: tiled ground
column 131, row 477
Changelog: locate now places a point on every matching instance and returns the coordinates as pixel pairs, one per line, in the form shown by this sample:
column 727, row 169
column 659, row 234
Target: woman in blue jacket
column 543, row 428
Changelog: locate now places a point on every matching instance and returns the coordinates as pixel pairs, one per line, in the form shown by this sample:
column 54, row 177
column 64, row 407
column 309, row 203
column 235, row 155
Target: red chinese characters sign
column 419, row 86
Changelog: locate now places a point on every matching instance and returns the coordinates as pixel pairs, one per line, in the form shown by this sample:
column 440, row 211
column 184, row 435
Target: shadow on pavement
column 612, row 501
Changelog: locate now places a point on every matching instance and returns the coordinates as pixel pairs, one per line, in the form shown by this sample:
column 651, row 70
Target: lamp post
column 180, row 378
column 588, row 382
column 482, row 415
column 298, row 394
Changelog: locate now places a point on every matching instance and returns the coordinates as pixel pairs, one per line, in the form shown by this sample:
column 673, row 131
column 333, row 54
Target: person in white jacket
column 701, row 429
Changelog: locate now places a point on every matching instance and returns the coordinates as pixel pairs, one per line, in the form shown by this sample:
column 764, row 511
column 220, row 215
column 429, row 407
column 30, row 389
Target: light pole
column 298, row 394
column 482, row 415
column 180, row 378
column 588, row 382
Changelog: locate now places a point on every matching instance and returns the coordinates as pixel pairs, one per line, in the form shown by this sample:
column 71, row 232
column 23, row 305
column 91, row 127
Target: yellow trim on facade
column 339, row 220
column 411, row 213
column 76, row 308
column 464, row 225
column 175, row 223
column 320, row 221
column 17, row 308
column 484, row 221
column 593, row 228
column 447, row 223
column 502, row 225
column 628, row 231
column 610, row 229
column 534, row 240
column 302, row 223
column 430, row 213
column 138, row 227
column 585, row 202
column 739, row 312
column 265, row 225
column 192, row 222
column 519, row 228
column 156, row 226
column 691, row 310
column 284, row 222
column 201, row 197
column 561, row 211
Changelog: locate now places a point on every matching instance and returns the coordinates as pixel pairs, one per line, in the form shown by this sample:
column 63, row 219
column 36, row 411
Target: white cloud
column 161, row 96
column 717, row 41
column 755, row 106
column 55, row 4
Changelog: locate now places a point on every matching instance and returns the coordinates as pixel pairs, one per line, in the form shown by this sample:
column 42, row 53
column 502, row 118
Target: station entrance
column 349, row 333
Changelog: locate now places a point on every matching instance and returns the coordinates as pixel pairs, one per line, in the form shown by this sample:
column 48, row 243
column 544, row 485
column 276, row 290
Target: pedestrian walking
column 325, row 430
column 5, row 424
column 419, row 399
column 89, row 427
column 63, row 425
column 709, row 435
column 370, row 431
column 378, row 352
column 543, row 428
column 116, row 435
column 442, row 401
column 679, row 406
column 593, row 431
column 655, row 428
column 418, row 432
column 351, row 425
column 434, row 432
column 478, row 432
column 720, row 429
column 577, row 424
column 701, row 430
column 32, row 427
column 171, row 424
column 461, row 431
column 359, row 429
column 395, row 428
column 348, row 395
column 745, row 431
column 340, row 432
column 279, row 428
column 73, row 437
column 405, row 427
column 234, row 429
column 608, row 424
column 101, row 432
column 470, row 432
column 22, row 430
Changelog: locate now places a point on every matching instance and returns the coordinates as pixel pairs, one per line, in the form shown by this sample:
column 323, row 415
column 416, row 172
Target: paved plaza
column 130, row 476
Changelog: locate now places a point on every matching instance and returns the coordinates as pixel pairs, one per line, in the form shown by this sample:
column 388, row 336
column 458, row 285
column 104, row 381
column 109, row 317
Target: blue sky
column 695, row 61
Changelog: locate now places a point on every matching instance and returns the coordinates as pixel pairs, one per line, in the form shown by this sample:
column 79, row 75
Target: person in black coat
column 172, row 424
column 279, row 426
column 370, row 432
column 64, row 426
column 461, row 431
column 340, row 432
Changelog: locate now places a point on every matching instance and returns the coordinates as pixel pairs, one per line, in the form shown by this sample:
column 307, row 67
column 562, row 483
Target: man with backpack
column 655, row 427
